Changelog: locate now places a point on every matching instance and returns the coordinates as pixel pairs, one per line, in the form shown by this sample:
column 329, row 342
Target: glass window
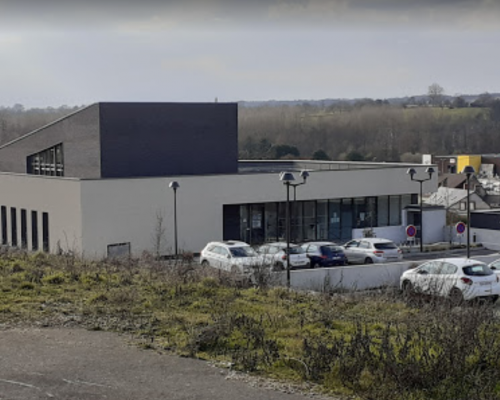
column 371, row 212
column 395, row 210
column 383, row 210
column 352, row 244
column 34, row 230
column 334, row 220
column 47, row 162
column 244, row 223
column 282, row 221
column 385, row 246
column 477, row 270
column 13, row 226
column 448, row 269
column 322, row 220
column 245, row 251
column 309, row 221
column 271, row 222
column 346, row 219
column 364, row 245
column 360, row 213
column 297, row 220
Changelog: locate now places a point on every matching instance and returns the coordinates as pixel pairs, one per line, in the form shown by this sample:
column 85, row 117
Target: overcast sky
column 79, row 52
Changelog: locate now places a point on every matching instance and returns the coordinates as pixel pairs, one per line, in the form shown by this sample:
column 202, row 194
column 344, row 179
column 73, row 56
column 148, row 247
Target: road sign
column 411, row 231
column 460, row 227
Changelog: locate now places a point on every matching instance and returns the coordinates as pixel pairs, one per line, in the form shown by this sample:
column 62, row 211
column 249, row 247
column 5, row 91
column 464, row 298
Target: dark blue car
column 324, row 254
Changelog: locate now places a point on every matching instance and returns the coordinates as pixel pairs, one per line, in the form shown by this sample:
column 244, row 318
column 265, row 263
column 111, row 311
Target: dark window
column 34, row 230
column 385, row 246
column 24, row 229
column 13, row 226
column 477, row 270
column 45, row 232
column 4, row 226
column 119, row 250
column 47, row 162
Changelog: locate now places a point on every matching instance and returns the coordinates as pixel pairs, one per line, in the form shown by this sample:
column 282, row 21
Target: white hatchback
column 456, row 278
column 274, row 254
column 234, row 256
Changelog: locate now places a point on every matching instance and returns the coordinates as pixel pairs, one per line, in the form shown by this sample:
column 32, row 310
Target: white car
column 274, row 254
column 495, row 266
column 233, row 256
column 456, row 278
column 372, row 250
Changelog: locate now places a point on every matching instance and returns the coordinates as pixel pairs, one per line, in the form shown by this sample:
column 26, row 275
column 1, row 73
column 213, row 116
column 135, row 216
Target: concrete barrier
column 355, row 277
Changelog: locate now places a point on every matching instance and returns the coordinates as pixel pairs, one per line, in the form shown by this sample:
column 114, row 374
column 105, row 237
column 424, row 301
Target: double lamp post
column 288, row 178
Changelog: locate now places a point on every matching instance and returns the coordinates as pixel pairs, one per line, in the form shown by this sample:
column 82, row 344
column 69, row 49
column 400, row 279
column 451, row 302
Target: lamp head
column 468, row 170
column 430, row 171
column 174, row 185
column 411, row 172
column 304, row 174
column 286, row 177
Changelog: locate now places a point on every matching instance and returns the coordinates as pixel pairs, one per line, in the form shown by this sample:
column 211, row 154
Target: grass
column 371, row 346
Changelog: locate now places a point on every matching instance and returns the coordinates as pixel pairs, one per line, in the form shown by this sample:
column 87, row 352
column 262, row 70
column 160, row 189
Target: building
column 97, row 182
column 485, row 228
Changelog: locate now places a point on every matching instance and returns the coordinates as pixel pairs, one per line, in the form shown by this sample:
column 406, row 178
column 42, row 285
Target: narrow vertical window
column 13, row 226
column 5, row 240
column 45, row 232
column 34, row 230
column 24, row 229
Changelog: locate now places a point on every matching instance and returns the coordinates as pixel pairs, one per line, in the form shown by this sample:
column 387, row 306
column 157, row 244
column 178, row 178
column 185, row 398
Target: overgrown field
column 370, row 346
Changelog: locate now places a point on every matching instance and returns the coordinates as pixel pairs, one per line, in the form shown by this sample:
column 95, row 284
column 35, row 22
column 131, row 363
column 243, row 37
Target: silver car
column 372, row 250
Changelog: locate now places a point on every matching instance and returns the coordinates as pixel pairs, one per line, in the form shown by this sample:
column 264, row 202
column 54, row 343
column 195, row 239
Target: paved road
column 77, row 364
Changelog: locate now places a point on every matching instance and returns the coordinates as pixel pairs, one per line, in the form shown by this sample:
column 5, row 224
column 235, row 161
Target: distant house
column 459, row 181
column 456, row 200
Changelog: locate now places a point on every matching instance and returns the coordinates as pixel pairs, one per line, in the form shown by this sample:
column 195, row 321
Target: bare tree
column 435, row 93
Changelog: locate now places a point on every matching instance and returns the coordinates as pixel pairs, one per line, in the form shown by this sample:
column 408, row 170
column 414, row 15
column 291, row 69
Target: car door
column 423, row 277
column 312, row 253
column 351, row 251
column 225, row 260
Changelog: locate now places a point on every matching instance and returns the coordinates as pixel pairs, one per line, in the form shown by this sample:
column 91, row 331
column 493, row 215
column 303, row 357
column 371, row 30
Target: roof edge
column 46, row 126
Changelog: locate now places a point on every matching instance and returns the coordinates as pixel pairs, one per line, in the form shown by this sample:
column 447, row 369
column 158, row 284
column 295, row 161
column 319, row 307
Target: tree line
column 371, row 130
column 366, row 129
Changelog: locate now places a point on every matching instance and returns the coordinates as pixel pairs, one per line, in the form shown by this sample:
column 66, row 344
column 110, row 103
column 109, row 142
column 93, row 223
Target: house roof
column 446, row 196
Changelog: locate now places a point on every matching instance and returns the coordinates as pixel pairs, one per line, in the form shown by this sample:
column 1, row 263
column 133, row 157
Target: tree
column 320, row 155
column 459, row 102
column 283, row 150
column 435, row 93
column 355, row 156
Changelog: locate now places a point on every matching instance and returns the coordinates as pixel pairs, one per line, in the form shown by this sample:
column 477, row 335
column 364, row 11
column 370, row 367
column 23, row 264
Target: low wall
column 355, row 277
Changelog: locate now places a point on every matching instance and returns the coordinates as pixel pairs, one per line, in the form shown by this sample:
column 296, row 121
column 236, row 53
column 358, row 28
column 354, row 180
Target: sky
column 76, row 52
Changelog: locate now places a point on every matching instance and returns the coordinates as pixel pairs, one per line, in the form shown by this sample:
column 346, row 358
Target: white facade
column 89, row 215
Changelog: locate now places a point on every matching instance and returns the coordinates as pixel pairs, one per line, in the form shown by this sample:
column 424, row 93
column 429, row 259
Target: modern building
column 97, row 182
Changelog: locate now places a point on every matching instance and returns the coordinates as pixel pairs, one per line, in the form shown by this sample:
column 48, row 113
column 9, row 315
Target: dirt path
column 79, row 364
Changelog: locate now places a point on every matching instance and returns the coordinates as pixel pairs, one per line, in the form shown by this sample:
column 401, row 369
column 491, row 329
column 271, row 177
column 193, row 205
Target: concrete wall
column 79, row 133
column 59, row 197
column 487, row 237
column 358, row 277
column 117, row 211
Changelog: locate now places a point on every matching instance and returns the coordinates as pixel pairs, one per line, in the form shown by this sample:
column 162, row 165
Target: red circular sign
column 460, row 227
column 411, row 231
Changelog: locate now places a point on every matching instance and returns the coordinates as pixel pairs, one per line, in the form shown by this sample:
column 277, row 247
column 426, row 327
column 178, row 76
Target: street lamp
column 412, row 172
column 287, row 178
column 468, row 171
column 175, row 185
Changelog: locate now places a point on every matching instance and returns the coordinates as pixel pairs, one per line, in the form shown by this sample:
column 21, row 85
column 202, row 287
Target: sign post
column 411, row 232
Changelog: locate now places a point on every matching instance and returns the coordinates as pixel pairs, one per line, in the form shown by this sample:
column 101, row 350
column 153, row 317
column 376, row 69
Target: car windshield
column 477, row 270
column 385, row 246
column 332, row 249
column 245, row 251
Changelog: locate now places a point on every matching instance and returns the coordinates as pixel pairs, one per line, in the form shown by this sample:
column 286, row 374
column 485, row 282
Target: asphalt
column 73, row 364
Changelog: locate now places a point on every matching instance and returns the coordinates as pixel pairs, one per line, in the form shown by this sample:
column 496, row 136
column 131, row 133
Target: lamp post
column 468, row 171
column 175, row 185
column 287, row 178
column 412, row 172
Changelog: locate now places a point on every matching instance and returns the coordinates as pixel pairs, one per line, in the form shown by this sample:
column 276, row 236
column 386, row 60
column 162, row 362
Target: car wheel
column 316, row 265
column 368, row 260
column 346, row 262
column 205, row 263
column 408, row 288
column 456, row 297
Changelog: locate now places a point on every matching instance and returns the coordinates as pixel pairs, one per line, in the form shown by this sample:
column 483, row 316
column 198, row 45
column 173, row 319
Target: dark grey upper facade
column 121, row 140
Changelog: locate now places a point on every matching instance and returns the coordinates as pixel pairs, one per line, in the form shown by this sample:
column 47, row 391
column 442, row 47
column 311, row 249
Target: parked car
column 324, row 254
column 274, row 254
column 456, row 278
column 495, row 266
column 372, row 250
column 234, row 256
